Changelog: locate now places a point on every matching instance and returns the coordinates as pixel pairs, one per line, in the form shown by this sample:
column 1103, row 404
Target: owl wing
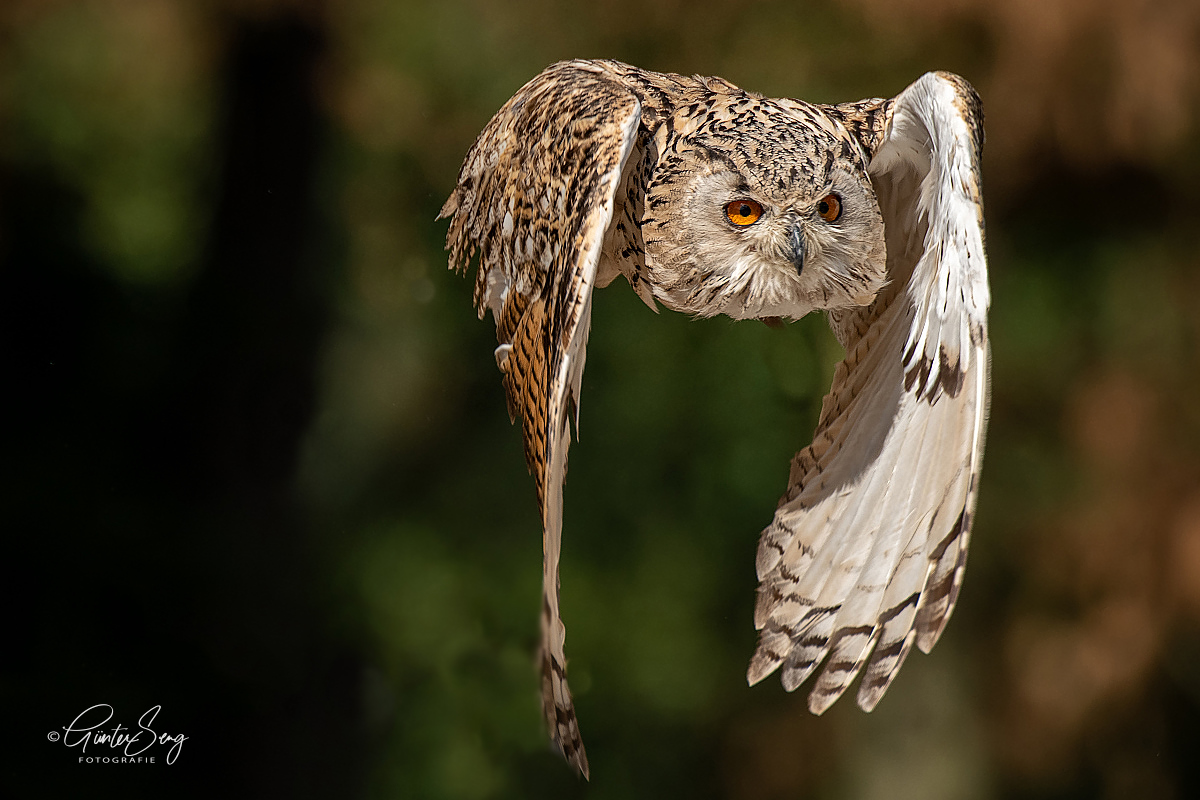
column 534, row 198
column 866, row 552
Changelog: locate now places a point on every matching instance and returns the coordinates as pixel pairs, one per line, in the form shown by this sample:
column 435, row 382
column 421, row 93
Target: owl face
column 775, row 218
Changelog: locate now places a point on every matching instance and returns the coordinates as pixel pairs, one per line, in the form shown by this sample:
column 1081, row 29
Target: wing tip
column 450, row 207
column 761, row 666
column 820, row 699
column 577, row 758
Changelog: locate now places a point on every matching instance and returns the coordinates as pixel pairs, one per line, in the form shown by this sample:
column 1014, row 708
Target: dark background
column 256, row 466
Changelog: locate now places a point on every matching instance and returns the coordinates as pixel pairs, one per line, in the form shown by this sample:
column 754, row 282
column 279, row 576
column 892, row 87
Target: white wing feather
column 867, row 548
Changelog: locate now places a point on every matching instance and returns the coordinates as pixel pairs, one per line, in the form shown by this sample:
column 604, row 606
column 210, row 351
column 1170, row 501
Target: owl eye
column 743, row 212
column 830, row 208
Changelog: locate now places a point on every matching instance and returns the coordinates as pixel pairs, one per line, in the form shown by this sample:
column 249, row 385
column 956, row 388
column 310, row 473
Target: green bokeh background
column 257, row 466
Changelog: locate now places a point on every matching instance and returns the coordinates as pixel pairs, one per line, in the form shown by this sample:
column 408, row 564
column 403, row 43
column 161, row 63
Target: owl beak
column 796, row 242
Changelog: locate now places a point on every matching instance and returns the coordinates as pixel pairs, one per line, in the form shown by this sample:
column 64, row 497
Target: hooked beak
column 796, row 246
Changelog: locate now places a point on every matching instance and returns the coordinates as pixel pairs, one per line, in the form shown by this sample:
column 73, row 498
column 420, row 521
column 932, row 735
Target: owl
column 709, row 199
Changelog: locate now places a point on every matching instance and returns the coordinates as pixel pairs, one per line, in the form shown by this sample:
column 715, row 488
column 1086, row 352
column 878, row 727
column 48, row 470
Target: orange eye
column 830, row 208
column 743, row 212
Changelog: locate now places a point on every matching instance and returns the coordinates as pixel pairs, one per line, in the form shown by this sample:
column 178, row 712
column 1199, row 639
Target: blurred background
column 257, row 467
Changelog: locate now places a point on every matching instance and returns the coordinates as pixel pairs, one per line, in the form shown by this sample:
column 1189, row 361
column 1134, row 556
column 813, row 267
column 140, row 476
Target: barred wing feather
column 866, row 552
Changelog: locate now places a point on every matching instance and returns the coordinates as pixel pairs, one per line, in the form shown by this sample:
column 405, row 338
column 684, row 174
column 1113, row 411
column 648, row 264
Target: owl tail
column 557, row 704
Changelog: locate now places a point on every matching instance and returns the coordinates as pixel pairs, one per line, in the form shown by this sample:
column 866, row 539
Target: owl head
column 755, row 211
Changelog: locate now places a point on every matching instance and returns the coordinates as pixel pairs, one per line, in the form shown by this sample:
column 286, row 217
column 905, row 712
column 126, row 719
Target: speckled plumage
column 596, row 169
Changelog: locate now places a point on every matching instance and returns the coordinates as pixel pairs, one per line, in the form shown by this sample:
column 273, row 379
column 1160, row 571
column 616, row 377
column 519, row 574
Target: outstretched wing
column 534, row 198
column 867, row 548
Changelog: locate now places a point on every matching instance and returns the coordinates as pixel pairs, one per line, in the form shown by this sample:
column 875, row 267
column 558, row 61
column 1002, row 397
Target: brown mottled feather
column 535, row 197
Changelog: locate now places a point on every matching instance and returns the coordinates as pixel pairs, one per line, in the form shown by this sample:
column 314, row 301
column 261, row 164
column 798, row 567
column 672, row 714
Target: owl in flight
column 712, row 200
